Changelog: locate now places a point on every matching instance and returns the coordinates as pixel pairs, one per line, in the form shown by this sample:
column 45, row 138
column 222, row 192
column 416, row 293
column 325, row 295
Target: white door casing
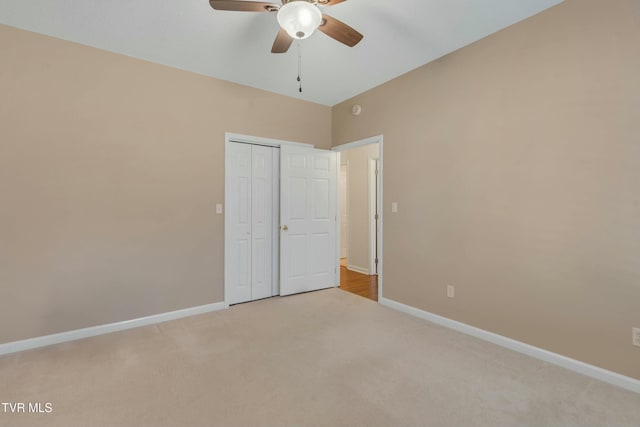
column 374, row 230
column 308, row 219
column 344, row 210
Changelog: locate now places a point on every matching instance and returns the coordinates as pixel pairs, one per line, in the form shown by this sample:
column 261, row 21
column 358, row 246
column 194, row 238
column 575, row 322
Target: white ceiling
column 399, row 35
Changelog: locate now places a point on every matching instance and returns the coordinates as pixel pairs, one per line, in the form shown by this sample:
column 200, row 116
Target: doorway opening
column 360, row 200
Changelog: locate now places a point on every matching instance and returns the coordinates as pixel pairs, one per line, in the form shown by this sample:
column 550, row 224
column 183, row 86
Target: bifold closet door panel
column 239, row 212
column 261, row 221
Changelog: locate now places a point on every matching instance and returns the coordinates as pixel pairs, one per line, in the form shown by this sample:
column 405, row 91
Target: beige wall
column 110, row 168
column 515, row 163
column 359, row 250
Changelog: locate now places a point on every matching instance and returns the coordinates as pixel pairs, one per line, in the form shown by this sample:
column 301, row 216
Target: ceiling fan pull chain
column 299, row 68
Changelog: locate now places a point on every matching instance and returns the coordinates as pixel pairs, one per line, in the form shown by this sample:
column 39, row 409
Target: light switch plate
column 394, row 207
column 451, row 291
column 218, row 208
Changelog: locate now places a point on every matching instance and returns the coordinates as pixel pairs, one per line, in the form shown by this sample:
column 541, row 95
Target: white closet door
column 261, row 221
column 238, row 216
column 275, row 228
column 308, row 195
column 249, row 245
column 344, row 212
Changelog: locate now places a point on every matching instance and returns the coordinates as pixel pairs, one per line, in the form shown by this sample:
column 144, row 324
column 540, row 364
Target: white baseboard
column 592, row 371
column 28, row 344
column 358, row 269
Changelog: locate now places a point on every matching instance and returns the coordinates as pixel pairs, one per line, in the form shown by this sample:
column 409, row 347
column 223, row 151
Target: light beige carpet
column 326, row 358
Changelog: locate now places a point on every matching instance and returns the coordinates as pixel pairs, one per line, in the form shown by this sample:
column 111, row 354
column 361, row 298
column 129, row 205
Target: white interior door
column 308, row 195
column 261, row 221
column 238, row 217
column 249, row 245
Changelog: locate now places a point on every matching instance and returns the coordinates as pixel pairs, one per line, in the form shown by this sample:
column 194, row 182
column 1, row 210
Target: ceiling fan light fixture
column 299, row 18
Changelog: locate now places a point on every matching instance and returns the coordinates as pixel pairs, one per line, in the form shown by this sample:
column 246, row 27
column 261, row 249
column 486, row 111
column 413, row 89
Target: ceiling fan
column 298, row 19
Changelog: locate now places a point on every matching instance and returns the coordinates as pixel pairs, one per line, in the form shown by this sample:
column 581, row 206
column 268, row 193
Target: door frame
column 359, row 143
column 346, row 207
column 235, row 138
column 374, row 194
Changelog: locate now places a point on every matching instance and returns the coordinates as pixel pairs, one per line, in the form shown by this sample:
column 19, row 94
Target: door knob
column 285, row 228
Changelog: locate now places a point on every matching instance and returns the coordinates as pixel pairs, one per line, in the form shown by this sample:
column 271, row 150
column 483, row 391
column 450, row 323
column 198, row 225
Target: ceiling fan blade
column 282, row 42
column 329, row 2
column 340, row 31
column 244, row 6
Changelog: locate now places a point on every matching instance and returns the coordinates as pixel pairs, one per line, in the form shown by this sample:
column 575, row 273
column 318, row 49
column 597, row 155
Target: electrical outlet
column 635, row 339
column 451, row 291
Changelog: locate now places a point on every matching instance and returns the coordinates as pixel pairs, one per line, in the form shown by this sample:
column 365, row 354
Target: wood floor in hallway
column 358, row 283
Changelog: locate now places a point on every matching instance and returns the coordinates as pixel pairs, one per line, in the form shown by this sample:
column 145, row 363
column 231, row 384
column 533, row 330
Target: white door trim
column 248, row 139
column 231, row 138
column 372, row 210
column 378, row 139
column 346, row 210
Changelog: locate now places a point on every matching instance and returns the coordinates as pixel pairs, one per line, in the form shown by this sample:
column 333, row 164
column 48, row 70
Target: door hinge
column 376, row 261
column 376, row 217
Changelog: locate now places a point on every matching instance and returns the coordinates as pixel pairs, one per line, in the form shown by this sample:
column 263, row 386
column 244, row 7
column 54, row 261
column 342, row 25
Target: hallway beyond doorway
column 358, row 283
